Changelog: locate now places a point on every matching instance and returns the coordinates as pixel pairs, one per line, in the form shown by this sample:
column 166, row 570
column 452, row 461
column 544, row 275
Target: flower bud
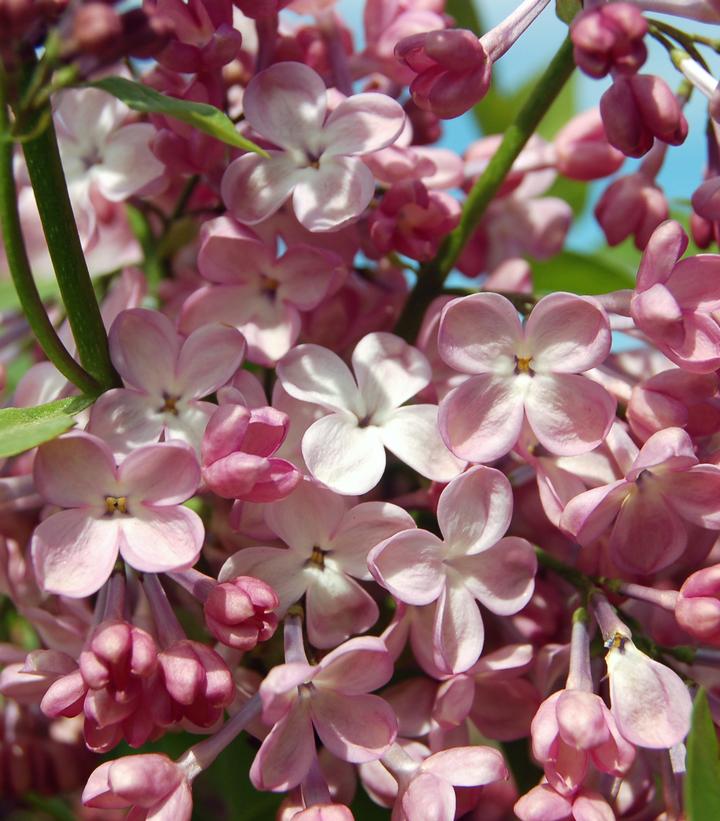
column 96, row 27
column 698, row 605
column 582, row 149
column 118, row 652
column 239, row 612
column 609, row 38
column 631, row 206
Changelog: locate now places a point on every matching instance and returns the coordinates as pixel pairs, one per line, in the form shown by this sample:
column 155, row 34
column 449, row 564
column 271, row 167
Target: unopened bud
column 698, row 605
column 239, row 613
column 96, row 27
column 609, row 38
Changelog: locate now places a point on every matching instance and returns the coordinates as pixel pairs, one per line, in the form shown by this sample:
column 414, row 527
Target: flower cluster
column 266, row 470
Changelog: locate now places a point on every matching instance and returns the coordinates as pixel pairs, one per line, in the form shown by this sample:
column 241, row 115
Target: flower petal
column 459, row 633
column 568, row 413
column 208, row 359
column 481, row 419
column 254, row 187
column 166, row 473
column 128, row 164
column 410, row 565
column 314, row 374
column 144, row 347
column 282, row 569
column 126, row 419
column 359, row 665
column 480, row 334
column 287, row 752
column 412, row 434
column 347, row 458
column 74, row 553
column 337, row 607
column 467, row 766
column 162, row 538
column 428, row 796
column 363, row 123
column 567, row 334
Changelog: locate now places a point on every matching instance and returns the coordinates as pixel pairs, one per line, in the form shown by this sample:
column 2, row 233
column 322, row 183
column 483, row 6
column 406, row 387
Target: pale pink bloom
column 155, row 787
column 676, row 301
column 542, row 803
column 317, row 157
column 697, row 609
column 328, row 542
column 524, row 372
column 473, row 563
column 332, row 699
column 166, row 377
column 134, row 509
column 609, row 38
column 648, row 512
column 237, row 454
column 412, row 220
column 101, row 154
column 649, row 702
column 345, row 449
column 675, row 399
column 638, row 109
column 259, row 293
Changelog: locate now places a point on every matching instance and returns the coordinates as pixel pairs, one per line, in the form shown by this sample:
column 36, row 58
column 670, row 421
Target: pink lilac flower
column 332, row 699
column 317, row 158
column 675, row 301
column 472, row 563
column 328, row 542
column 259, row 293
column 542, row 803
column 519, row 373
column 697, row 608
column 649, row 511
column 166, row 377
column 345, row 449
column 134, row 509
column 609, row 37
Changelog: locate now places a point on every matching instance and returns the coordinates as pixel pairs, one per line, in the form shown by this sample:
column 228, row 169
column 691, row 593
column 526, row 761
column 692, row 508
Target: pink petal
column 336, row 607
column 358, row 666
column 355, row 728
column 159, row 539
column 567, row 334
column 410, row 565
column 335, row 193
column 693, row 284
column 231, row 253
column 670, row 449
column 271, row 330
column 74, row 553
column 278, row 689
column 144, row 347
column 363, row 123
column 459, row 632
column 76, row 470
column 208, row 359
column 286, row 103
column 254, row 187
column 287, row 752
column 428, row 796
column 348, row 459
column 474, row 510
column 700, row 348
column 306, row 274
column 281, row 569
column 412, row 434
column 542, row 803
column 481, row 419
column 126, row 419
column 175, row 807
column 695, row 495
column 592, row 807
column 467, row 766
column 649, row 702
column 589, row 515
column 97, row 790
column 665, row 247
column 227, row 304
column 362, row 527
column 167, row 473
column 314, row 374
column 388, row 372
column 128, row 163
column 502, row 577
column 581, row 719
column 480, row 334
column 568, row 413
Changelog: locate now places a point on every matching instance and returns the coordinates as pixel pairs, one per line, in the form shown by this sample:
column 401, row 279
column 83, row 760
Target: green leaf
column 466, row 15
column 202, row 116
column 567, row 9
column 581, row 274
column 25, row 428
column 702, row 781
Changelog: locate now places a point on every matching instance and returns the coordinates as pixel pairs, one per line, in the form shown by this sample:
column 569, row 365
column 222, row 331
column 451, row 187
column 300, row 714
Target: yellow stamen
column 116, row 503
column 317, row 557
column 523, row 364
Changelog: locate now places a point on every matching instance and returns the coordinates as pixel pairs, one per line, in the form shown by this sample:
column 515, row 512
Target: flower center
column 317, row 557
column 115, row 504
column 616, row 642
column 170, row 405
column 522, row 364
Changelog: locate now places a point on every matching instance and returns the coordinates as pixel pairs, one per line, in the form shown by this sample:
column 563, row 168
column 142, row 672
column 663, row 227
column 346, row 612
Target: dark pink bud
column 96, row 26
column 609, row 38
column 239, row 612
column 632, row 206
column 698, row 605
column 582, row 149
column 453, row 70
column 637, row 109
column 706, row 199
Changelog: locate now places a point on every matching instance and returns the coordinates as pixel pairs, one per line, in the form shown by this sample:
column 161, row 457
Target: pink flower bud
column 706, row 199
column 453, row 70
column 609, row 38
column 698, row 605
column 118, row 652
column 582, row 149
column 95, row 27
column 239, row 612
column 631, row 206
column 637, row 109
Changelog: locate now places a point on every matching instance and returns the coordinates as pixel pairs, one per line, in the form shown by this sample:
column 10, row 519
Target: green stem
column 48, row 181
column 570, row 574
column 433, row 274
column 19, row 265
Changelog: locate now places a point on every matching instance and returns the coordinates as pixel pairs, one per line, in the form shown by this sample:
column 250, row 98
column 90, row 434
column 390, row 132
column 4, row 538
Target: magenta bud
column 698, row 605
column 609, row 38
column 239, row 613
column 582, row 149
column 118, row 651
column 632, row 206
